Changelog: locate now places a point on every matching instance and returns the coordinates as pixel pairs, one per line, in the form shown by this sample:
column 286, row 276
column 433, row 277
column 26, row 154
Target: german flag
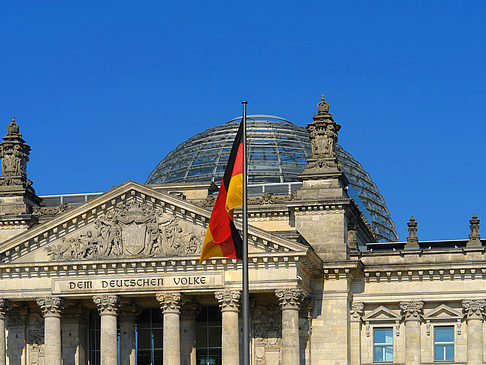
column 222, row 238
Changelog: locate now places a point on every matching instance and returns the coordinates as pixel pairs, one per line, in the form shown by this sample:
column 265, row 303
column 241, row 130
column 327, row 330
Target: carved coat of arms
column 132, row 229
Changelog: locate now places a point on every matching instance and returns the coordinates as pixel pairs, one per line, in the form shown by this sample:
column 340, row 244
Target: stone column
column 128, row 316
column 188, row 332
column 51, row 310
column 290, row 301
column 4, row 306
column 229, row 302
column 170, row 304
column 108, row 308
column 357, row 311
column 474, row 315
column 412, row 314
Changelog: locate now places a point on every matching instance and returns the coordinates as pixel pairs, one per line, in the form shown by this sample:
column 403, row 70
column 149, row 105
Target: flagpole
column 245, row 289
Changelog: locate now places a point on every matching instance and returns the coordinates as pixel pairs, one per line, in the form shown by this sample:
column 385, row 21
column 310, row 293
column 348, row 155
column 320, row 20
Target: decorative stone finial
column 474, row 237
column 322, row 107
column 323, row 134
column 412, row 239
column 13, row 128
column 13, row 118
column 14, row 152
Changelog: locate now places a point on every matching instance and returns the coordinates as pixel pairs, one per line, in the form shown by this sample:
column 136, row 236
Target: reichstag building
column 114, row 278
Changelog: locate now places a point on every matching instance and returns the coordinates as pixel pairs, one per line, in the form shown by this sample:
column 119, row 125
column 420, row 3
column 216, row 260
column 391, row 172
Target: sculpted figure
column 153, row 238
column 331, row 136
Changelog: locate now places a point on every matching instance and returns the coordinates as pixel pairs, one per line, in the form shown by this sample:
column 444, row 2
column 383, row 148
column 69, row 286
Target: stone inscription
column 136, row 283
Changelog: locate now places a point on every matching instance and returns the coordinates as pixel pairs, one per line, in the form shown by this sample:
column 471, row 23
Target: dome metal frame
column 278, row 151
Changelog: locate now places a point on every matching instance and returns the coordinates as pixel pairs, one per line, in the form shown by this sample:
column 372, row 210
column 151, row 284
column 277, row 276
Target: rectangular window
column 444, row 343
column 208, row 336
column 149, row 337
column 383, row 344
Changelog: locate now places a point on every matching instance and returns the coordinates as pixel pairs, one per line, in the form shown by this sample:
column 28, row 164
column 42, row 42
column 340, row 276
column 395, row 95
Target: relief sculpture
column 131, row 229
column 35, row 341
column 267, row 335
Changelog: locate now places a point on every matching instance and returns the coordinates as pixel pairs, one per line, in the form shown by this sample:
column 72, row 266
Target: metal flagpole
column 245, row 289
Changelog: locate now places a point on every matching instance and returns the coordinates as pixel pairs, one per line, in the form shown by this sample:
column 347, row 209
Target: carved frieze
column 169, row 302
column 107, row 304
column 474, row 308
column 412, row 310
column 131, row 229
column 290, row 298
column 50, row 306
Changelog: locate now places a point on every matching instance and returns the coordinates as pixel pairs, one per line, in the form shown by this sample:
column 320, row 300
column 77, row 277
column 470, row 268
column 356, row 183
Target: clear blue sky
column 103, row 90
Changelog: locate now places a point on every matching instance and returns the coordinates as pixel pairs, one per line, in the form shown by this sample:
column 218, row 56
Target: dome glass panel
column 278, row 150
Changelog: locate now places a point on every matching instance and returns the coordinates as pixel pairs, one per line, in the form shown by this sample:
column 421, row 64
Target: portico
column 90, row 281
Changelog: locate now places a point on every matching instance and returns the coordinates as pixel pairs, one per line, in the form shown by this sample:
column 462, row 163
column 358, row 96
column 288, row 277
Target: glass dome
column 278, row 150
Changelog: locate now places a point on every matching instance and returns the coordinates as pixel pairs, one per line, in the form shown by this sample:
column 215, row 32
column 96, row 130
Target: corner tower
column 325, row 215
column 17, row 197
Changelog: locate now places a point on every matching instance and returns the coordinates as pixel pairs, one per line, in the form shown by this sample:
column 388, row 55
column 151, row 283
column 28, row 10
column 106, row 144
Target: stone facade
column 322, row 291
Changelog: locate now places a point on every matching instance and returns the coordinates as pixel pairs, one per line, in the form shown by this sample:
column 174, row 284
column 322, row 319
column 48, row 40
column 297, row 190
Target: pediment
column 129, row 221
column 443, row 311
column 381, row 314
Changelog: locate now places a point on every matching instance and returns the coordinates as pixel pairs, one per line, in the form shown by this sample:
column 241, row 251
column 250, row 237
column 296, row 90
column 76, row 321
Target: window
column 149, row 337
column 94, row 337
column 383, row 344
column 208, row 337
column 444, row 343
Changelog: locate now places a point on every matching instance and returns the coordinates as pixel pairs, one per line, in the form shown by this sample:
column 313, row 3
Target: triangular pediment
column 129, row 221
column 381, row 314
column 443, row 311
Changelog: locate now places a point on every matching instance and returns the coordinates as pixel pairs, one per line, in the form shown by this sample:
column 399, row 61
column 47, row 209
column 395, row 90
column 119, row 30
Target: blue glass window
column 444, row 343
column 383, row 344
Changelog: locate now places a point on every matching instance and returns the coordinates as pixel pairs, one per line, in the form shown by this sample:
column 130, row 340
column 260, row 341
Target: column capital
column 229, row 300
column 290, row 298
column 170, row 302
column 357, row 311
column 5, row 306
column 50, row 306
column 412, row 310
column 474, row 308
column 107, row 304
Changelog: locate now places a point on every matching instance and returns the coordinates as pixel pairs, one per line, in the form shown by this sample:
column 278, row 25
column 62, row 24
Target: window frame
column 383, row 346
column 444, row 344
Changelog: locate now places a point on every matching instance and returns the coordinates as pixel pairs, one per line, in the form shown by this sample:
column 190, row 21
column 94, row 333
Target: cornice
column 425, row 271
